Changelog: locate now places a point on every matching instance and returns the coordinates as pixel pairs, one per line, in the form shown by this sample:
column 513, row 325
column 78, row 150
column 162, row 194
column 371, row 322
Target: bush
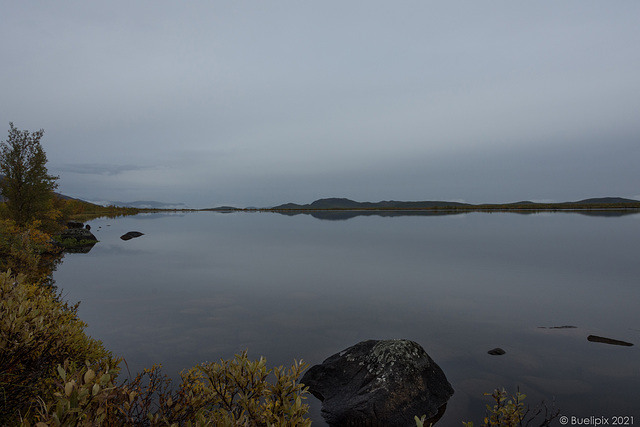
column 511, row 412
column 236, row 392
column 38, row 332
column 27, row 250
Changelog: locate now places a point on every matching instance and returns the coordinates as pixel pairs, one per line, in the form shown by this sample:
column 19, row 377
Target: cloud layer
column 255, row 103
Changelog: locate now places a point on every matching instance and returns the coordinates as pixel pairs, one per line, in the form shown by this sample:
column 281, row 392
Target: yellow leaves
column 89, row 375
column 26, row 250
column 505, row 412
column 68, row 388
column 88, row 396
column 37, row 330
column 62, row 373
column 228, row 393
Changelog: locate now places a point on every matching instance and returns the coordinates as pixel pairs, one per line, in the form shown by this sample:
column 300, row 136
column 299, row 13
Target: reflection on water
column 203, row 286
column 341, row 215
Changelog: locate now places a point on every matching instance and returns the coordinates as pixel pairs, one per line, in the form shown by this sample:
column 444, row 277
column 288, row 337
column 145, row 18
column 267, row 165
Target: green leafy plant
column 37, row 333
column 85, row 396
column 236, row 392
column 505, row 412
column 420, row 421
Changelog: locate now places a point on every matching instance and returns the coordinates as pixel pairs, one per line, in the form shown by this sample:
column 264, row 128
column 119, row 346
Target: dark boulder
column 74, row 224
column 496, row 351
column 379, row 383
column 131, row 235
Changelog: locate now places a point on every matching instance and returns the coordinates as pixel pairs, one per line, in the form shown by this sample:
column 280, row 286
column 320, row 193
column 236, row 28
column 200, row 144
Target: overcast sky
column 257, row 103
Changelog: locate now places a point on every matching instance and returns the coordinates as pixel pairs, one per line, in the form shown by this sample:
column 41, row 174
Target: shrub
column 511, row 412
column 236, row 392
column 27, row 250
column 37, row 333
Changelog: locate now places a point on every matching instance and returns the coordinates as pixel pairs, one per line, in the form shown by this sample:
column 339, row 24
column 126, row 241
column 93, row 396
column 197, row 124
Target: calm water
column 203, row 286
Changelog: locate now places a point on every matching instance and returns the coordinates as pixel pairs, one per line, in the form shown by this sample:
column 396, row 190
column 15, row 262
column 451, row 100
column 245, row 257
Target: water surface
column 203, row 286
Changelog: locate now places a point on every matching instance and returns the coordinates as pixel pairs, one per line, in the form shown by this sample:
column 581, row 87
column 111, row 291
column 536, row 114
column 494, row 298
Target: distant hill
column 146, row 204
column 347, row 204
column 341, row 203
column 605, row 201
column 224, row 209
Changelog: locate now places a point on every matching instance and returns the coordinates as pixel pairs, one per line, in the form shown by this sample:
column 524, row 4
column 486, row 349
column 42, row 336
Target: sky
column 259, row 103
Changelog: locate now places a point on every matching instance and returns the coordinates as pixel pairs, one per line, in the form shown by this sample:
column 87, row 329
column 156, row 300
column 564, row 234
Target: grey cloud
column 97, row 169
column 267, row 102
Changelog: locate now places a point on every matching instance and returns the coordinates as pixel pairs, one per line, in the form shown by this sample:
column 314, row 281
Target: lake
column 200, row 286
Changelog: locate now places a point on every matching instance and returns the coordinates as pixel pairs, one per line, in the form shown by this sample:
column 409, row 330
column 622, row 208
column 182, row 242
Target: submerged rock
column 379, row 383
column 496, row 351
column 558, row 327
column 131, row 235
column 611, row 341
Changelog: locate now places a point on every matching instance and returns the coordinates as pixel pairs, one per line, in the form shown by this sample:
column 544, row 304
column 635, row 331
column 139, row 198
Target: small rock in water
column 131, row 234
column 558, row 327
column 611, row 341
column 496, row 351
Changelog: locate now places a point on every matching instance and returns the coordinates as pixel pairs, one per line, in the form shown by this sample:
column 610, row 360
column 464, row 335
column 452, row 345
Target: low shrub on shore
column 236, row 392
column 38, row 331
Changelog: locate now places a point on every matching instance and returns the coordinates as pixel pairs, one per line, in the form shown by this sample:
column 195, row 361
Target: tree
column 26, row 185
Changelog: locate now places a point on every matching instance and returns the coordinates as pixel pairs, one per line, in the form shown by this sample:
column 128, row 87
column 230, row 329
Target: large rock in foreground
column 379, row 383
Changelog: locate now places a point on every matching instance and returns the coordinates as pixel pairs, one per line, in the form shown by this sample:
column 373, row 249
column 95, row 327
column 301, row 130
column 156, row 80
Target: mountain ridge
column 345, row 204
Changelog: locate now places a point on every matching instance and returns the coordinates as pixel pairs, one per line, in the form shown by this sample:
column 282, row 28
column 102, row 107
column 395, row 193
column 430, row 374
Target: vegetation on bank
column 26, row 184
column 38, row 331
